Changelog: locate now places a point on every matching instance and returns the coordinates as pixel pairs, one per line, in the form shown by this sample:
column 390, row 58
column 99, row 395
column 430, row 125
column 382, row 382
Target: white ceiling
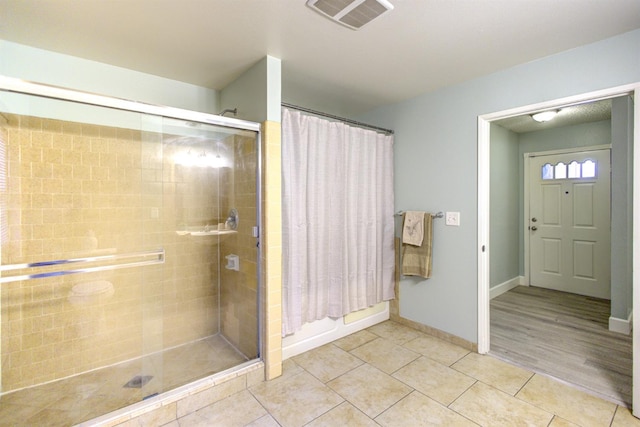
column 571, row 115
column 420, row 46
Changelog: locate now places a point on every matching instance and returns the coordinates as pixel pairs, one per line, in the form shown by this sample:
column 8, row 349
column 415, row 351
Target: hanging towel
column 416, row 260
column 413, row 230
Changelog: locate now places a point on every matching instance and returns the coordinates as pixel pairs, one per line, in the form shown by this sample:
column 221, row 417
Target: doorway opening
column 485, row 214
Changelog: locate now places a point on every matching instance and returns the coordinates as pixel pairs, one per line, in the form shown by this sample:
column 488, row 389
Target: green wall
column 436, row 162
column 505, row 193
column 41, row 66
column 256, row 93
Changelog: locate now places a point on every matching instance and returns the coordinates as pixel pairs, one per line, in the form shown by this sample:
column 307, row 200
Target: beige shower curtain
column 338, row 222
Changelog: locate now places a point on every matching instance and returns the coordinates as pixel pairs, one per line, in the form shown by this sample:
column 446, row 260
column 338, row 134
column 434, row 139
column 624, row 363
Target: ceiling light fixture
column 353, row 14
column 544, row 116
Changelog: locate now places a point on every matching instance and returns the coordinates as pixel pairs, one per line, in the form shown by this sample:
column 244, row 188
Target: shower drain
column 138, row 381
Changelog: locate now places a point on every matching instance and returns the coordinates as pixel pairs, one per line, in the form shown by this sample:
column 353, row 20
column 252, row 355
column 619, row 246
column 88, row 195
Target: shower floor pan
column 86, row 396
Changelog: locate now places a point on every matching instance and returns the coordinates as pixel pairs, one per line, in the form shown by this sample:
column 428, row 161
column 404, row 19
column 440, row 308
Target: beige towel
column 416, row 260
column 413, row 230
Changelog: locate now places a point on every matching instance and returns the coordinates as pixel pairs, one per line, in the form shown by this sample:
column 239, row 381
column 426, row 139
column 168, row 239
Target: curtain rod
column 342, row 119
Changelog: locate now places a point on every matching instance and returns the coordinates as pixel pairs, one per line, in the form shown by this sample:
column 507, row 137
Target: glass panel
column 93, row 183
column 547, row 171
column 218, row 175
column 73, row 191
column 560, row 171
column 588, row 169
column 574, row 169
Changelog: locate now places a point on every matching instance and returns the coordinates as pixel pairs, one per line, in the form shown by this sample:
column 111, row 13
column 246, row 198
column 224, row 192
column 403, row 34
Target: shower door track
column 11, row 84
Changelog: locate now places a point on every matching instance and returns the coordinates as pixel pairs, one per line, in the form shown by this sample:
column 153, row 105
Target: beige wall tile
column 272, row 248
column 76, row 190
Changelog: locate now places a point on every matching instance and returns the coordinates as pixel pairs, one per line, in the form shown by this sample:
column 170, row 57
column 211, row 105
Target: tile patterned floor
column 392, row 375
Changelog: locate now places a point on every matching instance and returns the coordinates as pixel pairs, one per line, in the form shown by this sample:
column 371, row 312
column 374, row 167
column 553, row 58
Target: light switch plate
column 452, row 218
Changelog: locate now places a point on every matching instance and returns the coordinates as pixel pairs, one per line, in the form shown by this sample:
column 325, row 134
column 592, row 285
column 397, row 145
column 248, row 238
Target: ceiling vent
column 351, row 13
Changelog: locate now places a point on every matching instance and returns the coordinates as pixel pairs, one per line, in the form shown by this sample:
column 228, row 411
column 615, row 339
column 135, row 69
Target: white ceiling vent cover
column 351, row 13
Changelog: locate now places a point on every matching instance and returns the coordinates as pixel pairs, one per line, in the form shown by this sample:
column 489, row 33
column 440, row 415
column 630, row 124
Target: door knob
column 534, row 228
column 534, row 219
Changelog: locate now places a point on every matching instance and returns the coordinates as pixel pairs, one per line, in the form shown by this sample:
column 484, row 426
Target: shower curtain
column 338, row 223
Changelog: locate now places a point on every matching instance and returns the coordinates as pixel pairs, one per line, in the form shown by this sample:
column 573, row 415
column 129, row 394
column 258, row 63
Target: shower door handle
column 144, row 258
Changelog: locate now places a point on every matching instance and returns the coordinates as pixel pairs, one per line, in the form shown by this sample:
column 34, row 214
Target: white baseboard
column 622, row 326
column 320, row 332
column 506, row 286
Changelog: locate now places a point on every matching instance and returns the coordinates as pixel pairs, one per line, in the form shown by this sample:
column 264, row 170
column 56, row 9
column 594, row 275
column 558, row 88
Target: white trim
column 324, row 331
column 525, row 220
column 506, row 286
column 484, row 180
column 525, row 211
column 484, row 123
column 636, row 252
column 563, row 102
column 21, row 86
column 568, row 150
column 622, row 326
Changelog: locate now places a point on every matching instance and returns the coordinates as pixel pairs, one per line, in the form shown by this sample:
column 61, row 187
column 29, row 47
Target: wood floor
column 563, row 335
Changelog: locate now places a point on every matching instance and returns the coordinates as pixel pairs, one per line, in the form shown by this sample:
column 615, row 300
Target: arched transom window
column 573, row 170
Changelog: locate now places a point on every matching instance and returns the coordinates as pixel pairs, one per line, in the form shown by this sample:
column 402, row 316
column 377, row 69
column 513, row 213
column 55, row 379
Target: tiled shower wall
column 74, row 190
column 271, row 325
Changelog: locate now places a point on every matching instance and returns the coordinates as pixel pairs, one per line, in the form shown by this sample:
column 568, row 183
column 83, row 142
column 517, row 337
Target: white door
column 569, row 222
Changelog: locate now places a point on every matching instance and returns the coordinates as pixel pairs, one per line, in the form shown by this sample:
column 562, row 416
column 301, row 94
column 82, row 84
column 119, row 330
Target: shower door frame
column 10, row 84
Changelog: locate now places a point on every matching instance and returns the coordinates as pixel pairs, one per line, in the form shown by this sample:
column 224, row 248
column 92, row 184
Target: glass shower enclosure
column 129, row 251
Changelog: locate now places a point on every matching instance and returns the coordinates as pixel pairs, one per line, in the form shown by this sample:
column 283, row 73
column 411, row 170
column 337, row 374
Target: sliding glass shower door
column 116, row 229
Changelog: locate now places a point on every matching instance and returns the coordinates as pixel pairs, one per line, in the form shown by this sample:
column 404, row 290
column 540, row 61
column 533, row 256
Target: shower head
column 229, row 110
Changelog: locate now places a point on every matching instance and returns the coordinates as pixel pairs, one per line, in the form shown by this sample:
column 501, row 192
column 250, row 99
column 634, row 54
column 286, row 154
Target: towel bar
column 438, row 215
